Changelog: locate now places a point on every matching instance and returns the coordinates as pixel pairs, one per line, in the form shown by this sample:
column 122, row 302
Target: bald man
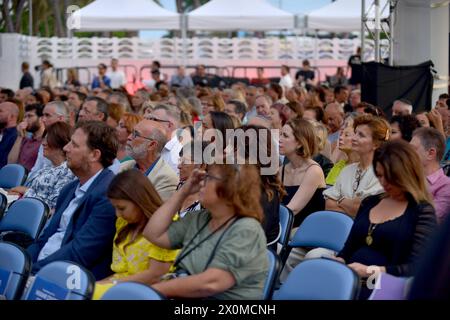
column 144, row 145
column 9, row 113
column 335, row 115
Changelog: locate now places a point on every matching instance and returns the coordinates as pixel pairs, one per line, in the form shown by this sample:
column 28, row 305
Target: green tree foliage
column 49, row 16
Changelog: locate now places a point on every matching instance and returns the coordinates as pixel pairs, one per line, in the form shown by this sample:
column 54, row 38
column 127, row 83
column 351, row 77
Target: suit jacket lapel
column 94, row 184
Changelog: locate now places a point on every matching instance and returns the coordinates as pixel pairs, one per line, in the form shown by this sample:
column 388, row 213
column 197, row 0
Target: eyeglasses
column 136, row 134
column 150, row 117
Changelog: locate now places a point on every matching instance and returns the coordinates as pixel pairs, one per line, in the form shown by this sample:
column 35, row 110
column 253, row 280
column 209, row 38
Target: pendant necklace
column 369, row 239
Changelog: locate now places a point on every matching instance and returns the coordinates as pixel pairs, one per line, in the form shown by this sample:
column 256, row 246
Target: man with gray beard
column 144, row 145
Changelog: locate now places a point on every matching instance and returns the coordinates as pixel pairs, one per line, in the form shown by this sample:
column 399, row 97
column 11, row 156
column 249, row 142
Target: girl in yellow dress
column 134, row 258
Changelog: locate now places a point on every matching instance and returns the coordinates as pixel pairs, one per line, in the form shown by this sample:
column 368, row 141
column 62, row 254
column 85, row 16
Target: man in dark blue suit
column 83, row 225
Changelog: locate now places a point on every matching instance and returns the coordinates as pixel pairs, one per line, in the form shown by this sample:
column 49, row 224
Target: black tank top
column 316, row 203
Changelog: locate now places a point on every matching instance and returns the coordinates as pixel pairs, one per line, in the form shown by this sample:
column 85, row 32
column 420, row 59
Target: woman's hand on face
column 435, row 117
column 192, row 184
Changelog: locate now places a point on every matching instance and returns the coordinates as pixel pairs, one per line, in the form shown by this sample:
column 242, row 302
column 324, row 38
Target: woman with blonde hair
column 123, row 130
column 391, row 229
column 322, row 157
column 134, row 258
column 358, row 180
column 72, row 78
column 345, row 147
column 224, row 247
column 212, row 103
column 186, row 112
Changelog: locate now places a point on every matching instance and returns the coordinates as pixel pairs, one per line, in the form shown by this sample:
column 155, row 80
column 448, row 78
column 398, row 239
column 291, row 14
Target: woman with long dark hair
column 391, row 228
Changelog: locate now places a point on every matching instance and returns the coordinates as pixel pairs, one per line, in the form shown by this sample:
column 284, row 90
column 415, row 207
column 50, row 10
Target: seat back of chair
column 319, row 279
column 15, row 267
column 286, row 222
column 12, row 175
column 61, row 280
column 324, row 229
column 131, row 291
column 3, row 204
column 27, row 215
column 272, row 276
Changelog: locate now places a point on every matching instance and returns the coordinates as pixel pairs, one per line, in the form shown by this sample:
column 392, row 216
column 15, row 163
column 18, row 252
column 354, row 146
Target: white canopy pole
column 363, row 29
column 377, row 31
column 184, row 23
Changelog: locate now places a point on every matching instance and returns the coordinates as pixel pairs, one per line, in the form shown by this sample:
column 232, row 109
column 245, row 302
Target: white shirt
column 117, row 79
column 368, row 185
column 115, row 166
column 149, row 83
column 54, row 242
column 171, row 153
column 286, row 82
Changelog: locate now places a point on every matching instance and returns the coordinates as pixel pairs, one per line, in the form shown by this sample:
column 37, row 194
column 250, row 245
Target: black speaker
column 382, row 85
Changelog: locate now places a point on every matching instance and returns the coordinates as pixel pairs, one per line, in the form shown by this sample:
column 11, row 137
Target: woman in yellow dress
column 134, row 257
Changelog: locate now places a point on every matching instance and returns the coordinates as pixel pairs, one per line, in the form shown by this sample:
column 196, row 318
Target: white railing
column 196, row 48
column 134, row 54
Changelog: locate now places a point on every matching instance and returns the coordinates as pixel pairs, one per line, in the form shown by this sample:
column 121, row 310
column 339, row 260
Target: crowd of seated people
column 134, row 196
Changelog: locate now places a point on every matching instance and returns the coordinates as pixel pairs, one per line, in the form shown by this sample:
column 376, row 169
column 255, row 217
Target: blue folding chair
column 272, row 277
column 132, row 291
column 286, row 222
column 3, row 204
column 324, row 229
column 12, row 175
column 15, row 267
column 61, row 280
column 24, row 220
column 319, row 279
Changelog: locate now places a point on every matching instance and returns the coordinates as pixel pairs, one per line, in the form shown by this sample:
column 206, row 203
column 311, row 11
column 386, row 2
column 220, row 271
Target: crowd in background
column 129, row 202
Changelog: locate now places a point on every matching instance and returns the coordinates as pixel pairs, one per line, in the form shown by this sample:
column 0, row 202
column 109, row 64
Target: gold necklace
column 369, row 239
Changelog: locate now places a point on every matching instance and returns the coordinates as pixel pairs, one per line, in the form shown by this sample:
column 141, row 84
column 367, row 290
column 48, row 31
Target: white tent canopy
column 341, row 16
column 111, row 15
column 239, row 15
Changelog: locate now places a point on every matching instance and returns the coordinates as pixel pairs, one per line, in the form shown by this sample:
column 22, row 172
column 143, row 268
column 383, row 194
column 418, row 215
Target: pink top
column 439, row 185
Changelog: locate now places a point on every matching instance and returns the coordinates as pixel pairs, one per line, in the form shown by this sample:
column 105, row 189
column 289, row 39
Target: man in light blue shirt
column 181, row 79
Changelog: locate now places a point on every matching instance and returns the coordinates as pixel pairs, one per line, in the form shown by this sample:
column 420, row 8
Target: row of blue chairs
column 316, row 278
column 59, row 280
column 323, row 279
column 325, row 229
